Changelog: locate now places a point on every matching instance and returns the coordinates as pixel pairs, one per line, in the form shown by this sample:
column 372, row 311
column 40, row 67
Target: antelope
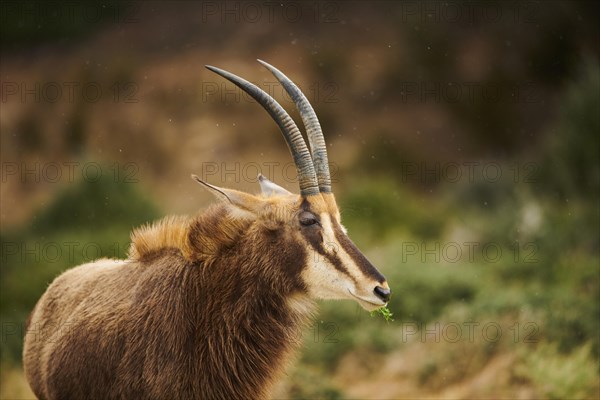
column 210, row 306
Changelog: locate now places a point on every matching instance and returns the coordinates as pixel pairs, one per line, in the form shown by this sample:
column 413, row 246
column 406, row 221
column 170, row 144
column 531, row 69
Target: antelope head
column 331, row 267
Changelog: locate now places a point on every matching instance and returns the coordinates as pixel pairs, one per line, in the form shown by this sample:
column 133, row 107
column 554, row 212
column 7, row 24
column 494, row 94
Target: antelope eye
column 308, row 219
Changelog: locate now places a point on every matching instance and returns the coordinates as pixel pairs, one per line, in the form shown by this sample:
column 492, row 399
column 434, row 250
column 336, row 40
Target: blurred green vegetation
column 85, row 221
column 306, row 383
column 570, row 160
column 558, row 375
column 547, row 281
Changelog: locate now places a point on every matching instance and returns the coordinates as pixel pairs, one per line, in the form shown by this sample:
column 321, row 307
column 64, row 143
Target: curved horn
column 313, row 128
column 306, row 172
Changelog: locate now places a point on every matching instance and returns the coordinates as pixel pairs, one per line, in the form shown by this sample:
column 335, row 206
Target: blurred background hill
column 464, row 138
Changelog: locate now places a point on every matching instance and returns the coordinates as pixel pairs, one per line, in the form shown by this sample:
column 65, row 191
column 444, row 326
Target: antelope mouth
column 367, row 304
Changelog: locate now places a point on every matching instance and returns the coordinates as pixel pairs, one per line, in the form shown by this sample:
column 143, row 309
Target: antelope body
column 210, row 306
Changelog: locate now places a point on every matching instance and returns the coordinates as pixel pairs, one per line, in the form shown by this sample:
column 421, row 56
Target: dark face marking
column 307, row 218
column 363, row 264
column 291, row 255
column 314, row 234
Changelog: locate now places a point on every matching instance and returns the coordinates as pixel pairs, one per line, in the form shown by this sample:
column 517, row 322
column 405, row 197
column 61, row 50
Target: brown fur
column 208, row 307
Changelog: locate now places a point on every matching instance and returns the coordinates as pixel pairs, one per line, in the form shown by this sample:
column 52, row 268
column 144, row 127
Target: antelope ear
column 269, row 188
column 245, row 201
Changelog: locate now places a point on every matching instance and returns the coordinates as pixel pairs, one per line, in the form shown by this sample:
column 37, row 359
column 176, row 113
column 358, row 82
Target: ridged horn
column 316, row 140
column 306, row 172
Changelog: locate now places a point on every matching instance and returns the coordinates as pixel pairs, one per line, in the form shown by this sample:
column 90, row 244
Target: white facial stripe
column 330, row 243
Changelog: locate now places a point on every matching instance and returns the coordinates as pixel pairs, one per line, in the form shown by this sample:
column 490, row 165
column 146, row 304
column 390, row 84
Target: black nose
column 382, row 293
